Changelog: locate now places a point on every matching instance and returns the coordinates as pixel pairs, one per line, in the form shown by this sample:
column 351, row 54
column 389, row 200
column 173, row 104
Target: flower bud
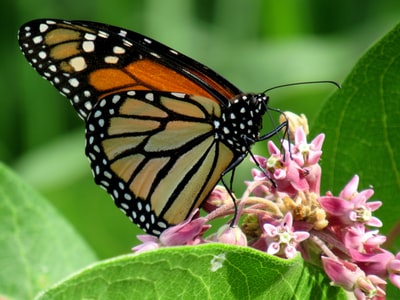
column 294, row 122
column 217, row 198
column 230, row 235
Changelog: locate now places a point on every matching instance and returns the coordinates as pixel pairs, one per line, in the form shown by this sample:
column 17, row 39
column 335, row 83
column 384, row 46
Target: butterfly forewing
column 86, row 61
column 152, row 171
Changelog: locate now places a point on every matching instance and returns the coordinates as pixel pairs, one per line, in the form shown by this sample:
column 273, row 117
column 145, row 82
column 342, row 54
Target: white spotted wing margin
column 77, row 57
column 42, row 41
column 157, row 154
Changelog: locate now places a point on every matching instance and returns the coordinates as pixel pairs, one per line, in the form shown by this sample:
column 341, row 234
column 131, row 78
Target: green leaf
column 210, row 271
column 38, row 247
column 362, row 126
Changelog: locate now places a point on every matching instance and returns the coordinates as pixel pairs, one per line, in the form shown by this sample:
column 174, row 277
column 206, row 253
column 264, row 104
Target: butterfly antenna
column 302, row 83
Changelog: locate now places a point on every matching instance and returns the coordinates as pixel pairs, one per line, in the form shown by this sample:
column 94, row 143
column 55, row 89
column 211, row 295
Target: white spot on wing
column 73, row 82
column 103, row 103
column 88, row 46
column 149, row 96
column 162, row 225
column 103, row 34
column 78, row 63
column 43, row 27
column 115, row 98
column 118, row 50
column 90, row 37
column 97, row 113
column 37, row 39
column 124, row 205
column 127, row 43
column 88, row 105
column 87, row 93
column 111, row 59
column 178, row 95
column 42, row 54
column 53, row 68
column 122, row 33
column 66, row 90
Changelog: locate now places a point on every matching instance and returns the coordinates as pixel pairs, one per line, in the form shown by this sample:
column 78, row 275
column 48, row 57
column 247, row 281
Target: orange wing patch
column 144, row 75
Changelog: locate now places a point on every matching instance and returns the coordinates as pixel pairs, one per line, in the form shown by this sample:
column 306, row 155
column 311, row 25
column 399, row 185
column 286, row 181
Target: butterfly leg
column 231, row 168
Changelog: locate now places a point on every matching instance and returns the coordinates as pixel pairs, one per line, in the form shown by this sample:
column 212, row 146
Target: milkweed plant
column 283, row 212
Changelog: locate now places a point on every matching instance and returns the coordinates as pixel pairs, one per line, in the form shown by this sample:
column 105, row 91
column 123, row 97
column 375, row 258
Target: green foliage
column 38, row 247
column 212, row 271
column 361, row 122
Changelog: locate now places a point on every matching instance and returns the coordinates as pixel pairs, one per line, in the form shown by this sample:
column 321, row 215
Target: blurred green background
column 254, row 44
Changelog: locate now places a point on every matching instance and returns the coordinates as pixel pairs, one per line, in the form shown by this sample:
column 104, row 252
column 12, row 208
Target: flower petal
column 374, row 205
column 375, row 222
column 335, row 206
column 290, row 251
column 270, row 230
column 350, row 189
column 273, row 248
column 300, row 236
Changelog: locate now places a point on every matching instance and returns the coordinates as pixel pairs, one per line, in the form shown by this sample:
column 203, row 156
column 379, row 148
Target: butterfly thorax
column 241, row 121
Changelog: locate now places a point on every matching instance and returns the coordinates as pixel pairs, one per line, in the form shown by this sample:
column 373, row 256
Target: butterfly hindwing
column 152, row 151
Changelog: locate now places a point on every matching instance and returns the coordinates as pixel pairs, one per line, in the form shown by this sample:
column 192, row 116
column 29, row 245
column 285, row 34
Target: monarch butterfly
column 161, row 128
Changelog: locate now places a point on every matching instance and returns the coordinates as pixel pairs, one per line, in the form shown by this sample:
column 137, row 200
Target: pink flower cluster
column 283, row 213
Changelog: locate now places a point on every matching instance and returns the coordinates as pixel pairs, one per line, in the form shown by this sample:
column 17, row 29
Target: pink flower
column 295, row 170
column 218, row 197
column 281, row 239
column 351, row 207
column 352, row 278
column 306, row 154
column 261, row 190
column 373, row 263
column 313, row 178
column 150, row 242
column 370, row 287
column 394, row 270
column 341, row 272
column 186, row 233
column 356, row 237
column 285, row 172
